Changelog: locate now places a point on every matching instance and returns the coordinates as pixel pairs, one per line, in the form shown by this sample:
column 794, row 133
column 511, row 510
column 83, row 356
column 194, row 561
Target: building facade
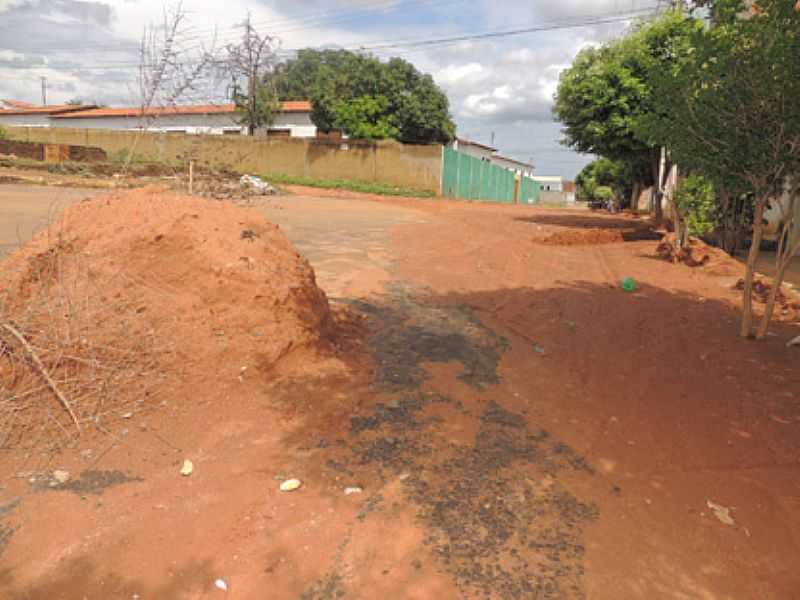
column 292, row 120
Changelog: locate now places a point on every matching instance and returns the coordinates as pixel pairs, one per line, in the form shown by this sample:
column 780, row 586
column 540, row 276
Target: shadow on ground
column 81, row 579
column 505, row 508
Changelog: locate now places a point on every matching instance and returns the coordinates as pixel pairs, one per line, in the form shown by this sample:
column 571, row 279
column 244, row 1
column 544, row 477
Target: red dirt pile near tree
column 130, row 288
column 698, row 254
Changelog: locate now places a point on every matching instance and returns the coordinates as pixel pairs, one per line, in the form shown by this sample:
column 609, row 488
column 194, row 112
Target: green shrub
column 603, row 193
column 3, row 134
column 696, row 200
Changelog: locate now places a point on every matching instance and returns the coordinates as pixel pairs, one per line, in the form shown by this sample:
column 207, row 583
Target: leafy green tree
column 697, row 200
column 604, row 96
column 365, row 97
column 603, row 193
column 729, row 109
column 604, row 173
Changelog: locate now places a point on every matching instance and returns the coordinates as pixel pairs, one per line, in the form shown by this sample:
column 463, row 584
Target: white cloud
column 503, row 85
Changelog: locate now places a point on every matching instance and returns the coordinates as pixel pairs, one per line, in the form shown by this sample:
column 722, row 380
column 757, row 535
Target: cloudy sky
column 498, row 85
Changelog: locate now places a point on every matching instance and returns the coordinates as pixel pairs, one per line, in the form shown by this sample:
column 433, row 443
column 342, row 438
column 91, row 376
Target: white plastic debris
column 349, row 491
column 61, row 476
column 257, row 185
column 291, row 485
column 723, row 513
column 794, row 342
column 220, row 584
column 187, row 468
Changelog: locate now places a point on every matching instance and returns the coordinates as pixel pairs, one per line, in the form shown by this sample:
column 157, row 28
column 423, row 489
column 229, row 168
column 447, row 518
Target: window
column 283, row 133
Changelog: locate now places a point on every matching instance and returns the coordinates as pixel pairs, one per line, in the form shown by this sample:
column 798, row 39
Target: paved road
column 25, row 209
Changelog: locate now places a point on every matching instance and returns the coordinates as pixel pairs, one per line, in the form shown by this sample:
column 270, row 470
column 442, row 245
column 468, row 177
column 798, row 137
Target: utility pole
column 44, row 90
column 493, row 138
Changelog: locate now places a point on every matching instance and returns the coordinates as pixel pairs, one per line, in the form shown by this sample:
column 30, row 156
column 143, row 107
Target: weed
column 352, row 185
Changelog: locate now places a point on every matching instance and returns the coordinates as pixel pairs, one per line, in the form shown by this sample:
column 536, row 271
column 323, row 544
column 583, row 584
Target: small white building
column 474, row 149
column 292, row 120
column 549, row 183
column 517, row 166
column 21, row 114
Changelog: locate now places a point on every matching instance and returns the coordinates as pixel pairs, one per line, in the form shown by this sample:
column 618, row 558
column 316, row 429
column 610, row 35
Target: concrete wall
column 31, row 120
column 406, row 165
column 298, row 124
column 551, row 197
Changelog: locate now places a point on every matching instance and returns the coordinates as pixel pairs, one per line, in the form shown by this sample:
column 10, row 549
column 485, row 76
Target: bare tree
column 251, row 59
column 168, row 70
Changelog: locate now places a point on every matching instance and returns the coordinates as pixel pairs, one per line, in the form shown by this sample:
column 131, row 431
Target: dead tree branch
column 37, row 362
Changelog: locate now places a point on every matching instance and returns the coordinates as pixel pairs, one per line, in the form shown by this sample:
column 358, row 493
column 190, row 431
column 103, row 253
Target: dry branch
column 43, row 372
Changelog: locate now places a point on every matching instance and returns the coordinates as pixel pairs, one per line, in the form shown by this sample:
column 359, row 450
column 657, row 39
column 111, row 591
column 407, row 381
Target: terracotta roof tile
column 55, row 109
column 200, row 109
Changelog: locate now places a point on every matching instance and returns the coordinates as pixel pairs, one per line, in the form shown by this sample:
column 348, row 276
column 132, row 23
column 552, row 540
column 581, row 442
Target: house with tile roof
column 293, row 119
column 14, row 113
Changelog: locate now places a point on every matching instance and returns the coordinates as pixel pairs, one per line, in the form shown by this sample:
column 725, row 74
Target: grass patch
column 352, row 185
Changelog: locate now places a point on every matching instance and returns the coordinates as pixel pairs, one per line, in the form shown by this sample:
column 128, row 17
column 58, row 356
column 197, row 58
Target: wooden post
column 191, row 177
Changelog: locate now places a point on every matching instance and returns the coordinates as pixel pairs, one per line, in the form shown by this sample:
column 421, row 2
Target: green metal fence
column 529, row 191
column 470, row 178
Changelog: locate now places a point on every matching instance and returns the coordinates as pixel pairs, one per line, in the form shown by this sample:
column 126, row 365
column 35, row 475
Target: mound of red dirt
column 787, row 301
column 581, row 237
column 698, row 254
column 145, row 281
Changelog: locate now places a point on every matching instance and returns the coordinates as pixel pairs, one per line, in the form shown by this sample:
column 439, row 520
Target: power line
column 314, row 19
column 418, row 44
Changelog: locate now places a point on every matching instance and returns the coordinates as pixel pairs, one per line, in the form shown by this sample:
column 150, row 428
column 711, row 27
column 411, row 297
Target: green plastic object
column 629, row 284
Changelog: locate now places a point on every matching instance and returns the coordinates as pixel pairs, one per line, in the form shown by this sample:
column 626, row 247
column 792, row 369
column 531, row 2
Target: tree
column 605, row 173
column 3, row 134
column 167, row 73
column 251, row 59
column 729, row 110
column 696, row 199
column 606, row 93
column 364, row 97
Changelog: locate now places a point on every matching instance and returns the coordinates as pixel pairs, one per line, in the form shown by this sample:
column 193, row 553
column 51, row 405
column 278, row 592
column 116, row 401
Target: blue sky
column 501, row 86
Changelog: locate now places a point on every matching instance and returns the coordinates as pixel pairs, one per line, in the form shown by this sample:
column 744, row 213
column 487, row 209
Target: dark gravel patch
column 498, row 512
column 329, row 587
column 408, row 333
column 97, row 482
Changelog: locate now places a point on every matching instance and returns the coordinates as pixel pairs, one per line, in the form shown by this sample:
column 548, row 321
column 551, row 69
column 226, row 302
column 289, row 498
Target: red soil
column 203, row 287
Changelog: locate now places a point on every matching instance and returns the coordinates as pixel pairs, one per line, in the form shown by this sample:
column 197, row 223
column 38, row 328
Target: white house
column 519, row 167
column 475, row 149
column 292, row 120
column 21, row 114
column 549, row 183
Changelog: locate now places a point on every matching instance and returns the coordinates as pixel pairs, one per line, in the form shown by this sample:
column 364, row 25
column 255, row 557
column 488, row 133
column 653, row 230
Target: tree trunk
column 747, row 295
column 637, row 188
column 659, row 164
column 787, row 248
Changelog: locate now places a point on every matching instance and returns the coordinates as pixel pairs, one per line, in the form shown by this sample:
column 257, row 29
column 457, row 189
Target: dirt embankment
column 126, row 287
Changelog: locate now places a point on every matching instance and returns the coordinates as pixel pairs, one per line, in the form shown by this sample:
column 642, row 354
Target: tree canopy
column 604, row 96
column 365, row 97
column 729, row 110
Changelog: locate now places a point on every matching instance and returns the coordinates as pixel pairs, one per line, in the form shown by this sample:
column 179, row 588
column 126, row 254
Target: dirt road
column 510, row 425
column 25, row 209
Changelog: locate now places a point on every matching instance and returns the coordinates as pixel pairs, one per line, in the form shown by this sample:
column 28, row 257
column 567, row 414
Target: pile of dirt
column 787, row 301
column 582, row 237
column 128, row 287
column 698, row 254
